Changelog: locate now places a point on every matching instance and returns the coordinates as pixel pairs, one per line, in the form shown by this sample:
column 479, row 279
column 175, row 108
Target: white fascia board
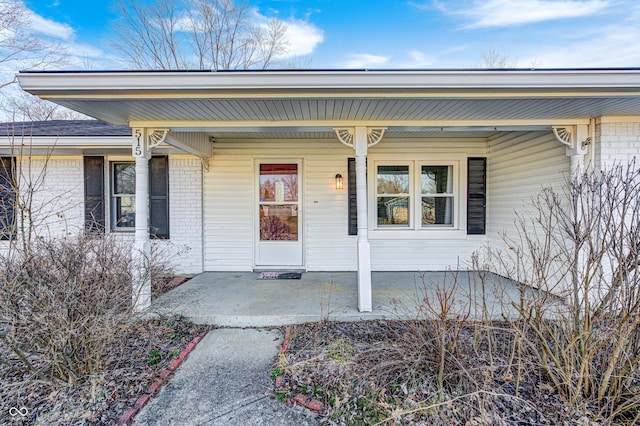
column 67, row 141
column 210, row 126
column 125, row 84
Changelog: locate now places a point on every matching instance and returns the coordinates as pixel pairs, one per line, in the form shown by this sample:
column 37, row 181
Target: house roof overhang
column 318, row 100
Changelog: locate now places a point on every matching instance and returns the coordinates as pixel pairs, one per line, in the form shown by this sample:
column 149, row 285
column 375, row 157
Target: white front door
column 279, row 237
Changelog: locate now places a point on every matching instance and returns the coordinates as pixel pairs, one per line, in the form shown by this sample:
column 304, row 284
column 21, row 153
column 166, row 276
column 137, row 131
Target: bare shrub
column 61, row 302
column 583, row 243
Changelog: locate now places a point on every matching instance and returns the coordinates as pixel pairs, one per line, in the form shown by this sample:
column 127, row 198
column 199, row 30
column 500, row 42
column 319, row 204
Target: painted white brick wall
column 58, row 202
column 616, row 141
column 58, row 193
column 185, row 214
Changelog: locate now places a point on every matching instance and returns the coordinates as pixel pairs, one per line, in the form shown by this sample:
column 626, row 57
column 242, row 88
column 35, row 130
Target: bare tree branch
column 26, row 107
column 493, row 58
column 20, row 46
column 197, row 34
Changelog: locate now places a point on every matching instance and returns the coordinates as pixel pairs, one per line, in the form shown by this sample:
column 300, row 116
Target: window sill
column 420, row 234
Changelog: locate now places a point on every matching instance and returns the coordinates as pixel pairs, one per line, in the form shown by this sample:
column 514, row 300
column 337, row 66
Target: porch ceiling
column 283, row 111
column 319, row 100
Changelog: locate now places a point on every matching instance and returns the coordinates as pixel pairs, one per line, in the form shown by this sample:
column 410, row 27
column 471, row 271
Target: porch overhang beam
column 198, row 151
column 200, row 125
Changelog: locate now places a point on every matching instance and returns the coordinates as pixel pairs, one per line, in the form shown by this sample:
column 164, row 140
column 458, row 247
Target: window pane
column 393, row 179
column 437, row 210
column 279, row 182
column 279, row 222
column 437, row 180
column 125, row 212
column 393, row 210
column 124, row 176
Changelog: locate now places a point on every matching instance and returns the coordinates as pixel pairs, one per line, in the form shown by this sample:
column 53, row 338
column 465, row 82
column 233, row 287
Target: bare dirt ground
column 420, row 373
column 139, row 352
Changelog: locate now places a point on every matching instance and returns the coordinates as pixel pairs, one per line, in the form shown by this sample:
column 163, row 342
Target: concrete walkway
column 225, row 381
column 238, row 299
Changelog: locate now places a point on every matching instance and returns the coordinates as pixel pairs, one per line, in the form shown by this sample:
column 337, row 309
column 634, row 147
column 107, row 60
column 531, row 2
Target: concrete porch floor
column 238, row 299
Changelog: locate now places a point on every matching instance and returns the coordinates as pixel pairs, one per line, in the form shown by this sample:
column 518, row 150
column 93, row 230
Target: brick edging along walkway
column 312, row 404
column 129, row 413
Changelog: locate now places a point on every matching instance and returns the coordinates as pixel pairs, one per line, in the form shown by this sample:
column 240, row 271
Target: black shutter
column 7, row 198
column 476, row 195
column 159, row 196
column 353, row 197
column 94, row 194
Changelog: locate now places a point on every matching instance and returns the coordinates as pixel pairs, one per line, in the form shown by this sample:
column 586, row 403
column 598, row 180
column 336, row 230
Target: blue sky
column 399, row 33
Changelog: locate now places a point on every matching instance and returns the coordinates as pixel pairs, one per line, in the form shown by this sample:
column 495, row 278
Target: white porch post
column 360, row 139
column 141, row 252
column 364, row 247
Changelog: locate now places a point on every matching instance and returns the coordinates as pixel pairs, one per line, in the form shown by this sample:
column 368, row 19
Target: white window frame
column 415, row 229
column 420, row 194
column 410, row 195
column 112, row 198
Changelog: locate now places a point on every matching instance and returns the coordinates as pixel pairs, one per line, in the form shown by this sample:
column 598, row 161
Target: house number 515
column 138, row 143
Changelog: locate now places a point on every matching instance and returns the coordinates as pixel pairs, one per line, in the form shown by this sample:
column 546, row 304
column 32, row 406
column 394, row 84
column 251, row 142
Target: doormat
column 273, row 275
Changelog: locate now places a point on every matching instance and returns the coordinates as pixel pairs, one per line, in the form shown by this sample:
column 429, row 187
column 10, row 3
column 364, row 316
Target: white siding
column 519, row 165
column 428, row 254
column 230, row 207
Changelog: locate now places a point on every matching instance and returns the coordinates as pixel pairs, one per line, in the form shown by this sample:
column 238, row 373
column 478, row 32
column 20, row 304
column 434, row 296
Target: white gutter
column 122, row 83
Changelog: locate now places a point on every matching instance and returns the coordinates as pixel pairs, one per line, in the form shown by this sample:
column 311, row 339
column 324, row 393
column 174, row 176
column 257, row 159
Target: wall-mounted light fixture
column 339, row 182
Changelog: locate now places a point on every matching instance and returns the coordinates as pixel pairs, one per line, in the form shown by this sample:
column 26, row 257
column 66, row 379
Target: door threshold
column 279, row 269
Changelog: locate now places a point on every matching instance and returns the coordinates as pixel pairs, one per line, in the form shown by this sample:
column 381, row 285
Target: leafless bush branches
column 61, row 302
column 567, row 351
column 583, row 244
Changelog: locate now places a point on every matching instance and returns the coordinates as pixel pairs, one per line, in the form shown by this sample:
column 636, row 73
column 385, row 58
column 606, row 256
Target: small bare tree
column 579, row 249
column 493, row 58
column 196, row 34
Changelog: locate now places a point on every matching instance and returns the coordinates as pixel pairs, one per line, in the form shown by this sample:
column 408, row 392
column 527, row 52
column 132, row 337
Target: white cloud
column 302, row 37
column 505, row 13
column 607, row 47
column 365, row 60
column 48, row 27
column 418, row 60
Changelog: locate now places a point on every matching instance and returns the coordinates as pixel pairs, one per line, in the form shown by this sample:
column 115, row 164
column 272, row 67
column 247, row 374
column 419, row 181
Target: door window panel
column 279, row 182
column 278, row 202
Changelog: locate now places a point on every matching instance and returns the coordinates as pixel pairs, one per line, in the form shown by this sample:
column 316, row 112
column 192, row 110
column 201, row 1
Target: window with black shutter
column 353, row 197
column 7, row 198
column 476, row 195
column 122, row 195
column 94, row 194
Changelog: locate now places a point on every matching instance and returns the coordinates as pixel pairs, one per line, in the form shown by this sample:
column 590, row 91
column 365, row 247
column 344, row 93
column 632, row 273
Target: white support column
column 577, row 152
column 364, row 247
column 141, row 251
column 360, row 139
